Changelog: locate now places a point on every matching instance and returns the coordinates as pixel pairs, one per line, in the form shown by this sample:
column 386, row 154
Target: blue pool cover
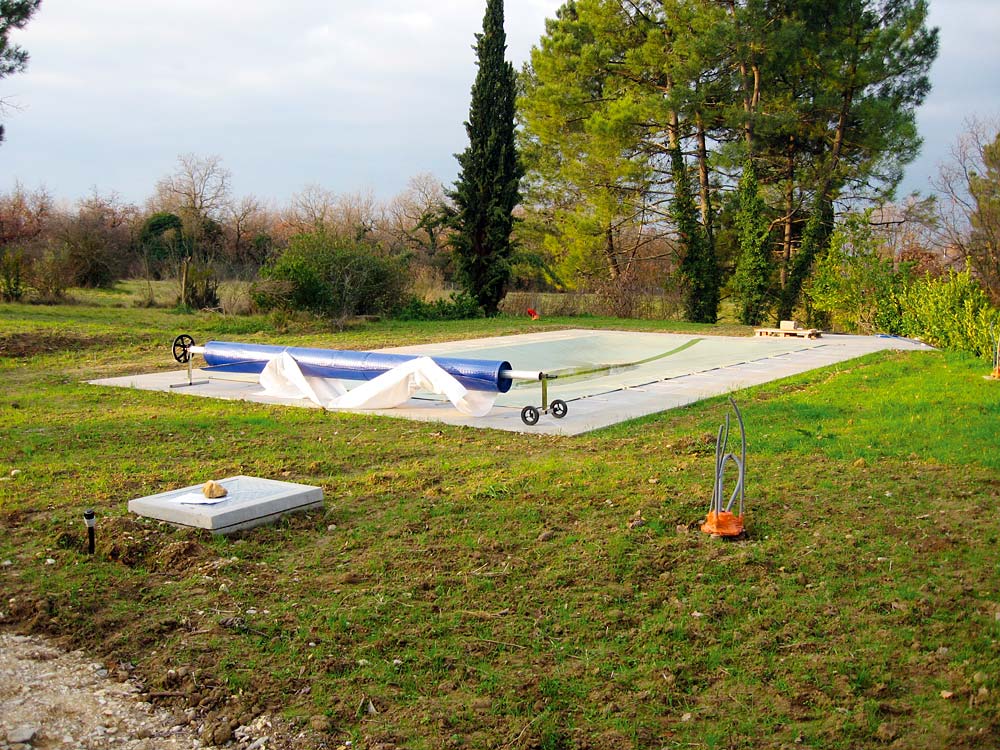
column 474, row 374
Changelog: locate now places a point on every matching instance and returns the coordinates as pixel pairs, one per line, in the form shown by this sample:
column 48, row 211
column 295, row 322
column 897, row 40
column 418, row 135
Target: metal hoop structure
column 721, row 520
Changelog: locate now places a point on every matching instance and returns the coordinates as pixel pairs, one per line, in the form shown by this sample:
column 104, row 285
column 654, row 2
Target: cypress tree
column 486, row 190
column 699, row 267
column 753, row 269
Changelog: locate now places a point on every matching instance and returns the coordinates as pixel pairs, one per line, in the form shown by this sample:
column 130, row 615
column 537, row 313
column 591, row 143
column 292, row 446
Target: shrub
column 51, row 274
column 951, row 312
column 331, row 276
column 13, row 275
column 199, row 286
column 855, row 286
column 459, row 306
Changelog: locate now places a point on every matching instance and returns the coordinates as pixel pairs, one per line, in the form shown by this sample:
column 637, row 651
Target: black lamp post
column 90, row 518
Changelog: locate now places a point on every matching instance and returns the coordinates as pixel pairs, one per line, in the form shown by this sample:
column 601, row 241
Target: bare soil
column 50, row 698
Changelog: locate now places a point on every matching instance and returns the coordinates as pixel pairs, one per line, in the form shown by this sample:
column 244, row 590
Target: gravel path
column 53, row 699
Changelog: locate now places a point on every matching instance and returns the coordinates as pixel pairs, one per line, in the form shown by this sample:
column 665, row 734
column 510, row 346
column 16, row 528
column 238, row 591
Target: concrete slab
column 252, row 501
column 711, row 366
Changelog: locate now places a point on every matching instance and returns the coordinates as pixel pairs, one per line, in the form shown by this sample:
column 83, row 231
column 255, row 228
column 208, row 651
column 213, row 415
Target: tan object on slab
column 214, row 489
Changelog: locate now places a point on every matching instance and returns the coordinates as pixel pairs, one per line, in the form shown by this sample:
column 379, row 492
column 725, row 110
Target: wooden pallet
column 808, row 333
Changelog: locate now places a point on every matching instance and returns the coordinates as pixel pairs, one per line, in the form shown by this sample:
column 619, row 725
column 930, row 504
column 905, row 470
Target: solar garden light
column 90, row 518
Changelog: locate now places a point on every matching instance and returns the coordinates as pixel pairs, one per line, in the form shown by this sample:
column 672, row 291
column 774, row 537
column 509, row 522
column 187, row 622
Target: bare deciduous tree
column 247, row 220
column 970, row 209
column 355, row 216
column 197, row 191
column 23, row 214
column 311, row 210
column 414, row 218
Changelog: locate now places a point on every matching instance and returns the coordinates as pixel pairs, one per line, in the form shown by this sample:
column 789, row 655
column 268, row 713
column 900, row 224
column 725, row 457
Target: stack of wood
column 789, row 328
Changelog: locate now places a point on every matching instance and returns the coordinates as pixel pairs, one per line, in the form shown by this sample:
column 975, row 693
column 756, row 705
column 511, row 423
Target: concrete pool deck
column 655, row 372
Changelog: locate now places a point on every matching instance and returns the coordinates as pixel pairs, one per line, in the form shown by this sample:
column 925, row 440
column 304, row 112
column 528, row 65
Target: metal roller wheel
column 530, row 415
column 558, row 408
column 182, row 348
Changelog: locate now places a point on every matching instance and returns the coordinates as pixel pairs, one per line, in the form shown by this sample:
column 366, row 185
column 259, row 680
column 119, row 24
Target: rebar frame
column 722, row 457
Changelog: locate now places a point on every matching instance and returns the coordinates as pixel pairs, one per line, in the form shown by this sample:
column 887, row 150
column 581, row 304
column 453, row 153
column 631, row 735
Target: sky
column 352, row 96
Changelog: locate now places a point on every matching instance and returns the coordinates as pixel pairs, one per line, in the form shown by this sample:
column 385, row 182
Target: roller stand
column 182, row 353
column 558, row 408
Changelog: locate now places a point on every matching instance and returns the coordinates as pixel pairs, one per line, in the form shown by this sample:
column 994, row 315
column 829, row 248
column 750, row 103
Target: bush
column 331, row 276
column 51, row 275
column 199, row 286
column 951, row 312
column 459, row 306
column 854, row 286
column 14, row 272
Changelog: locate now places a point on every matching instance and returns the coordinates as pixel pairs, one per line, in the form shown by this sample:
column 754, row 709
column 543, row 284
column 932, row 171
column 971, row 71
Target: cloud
column 296, row 91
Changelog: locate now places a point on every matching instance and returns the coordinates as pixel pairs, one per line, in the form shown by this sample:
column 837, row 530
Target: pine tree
column 487, row 188
column 14, row 14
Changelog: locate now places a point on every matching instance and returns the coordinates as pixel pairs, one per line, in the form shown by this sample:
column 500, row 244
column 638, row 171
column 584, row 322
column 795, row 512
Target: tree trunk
column 786, row 245
column 750, row 82
column 703, row 182
column 609, row 253
column 184, row 281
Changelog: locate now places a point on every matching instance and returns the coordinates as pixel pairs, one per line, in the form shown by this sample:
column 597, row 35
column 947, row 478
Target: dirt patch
column 181, row 556
column 20, row 345
column 52, row 699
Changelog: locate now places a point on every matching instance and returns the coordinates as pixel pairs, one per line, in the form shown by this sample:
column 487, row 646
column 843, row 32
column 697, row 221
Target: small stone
column 546, row 535
column 686, row 717
column 49, row 561
column 6, row 563
column 15, row 472
column 213, row 490
column 947, row 694
column 332, row 527
column 22, row 734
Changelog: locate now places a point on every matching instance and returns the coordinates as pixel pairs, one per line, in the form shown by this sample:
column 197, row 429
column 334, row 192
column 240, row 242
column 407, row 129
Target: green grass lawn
column 467, row 588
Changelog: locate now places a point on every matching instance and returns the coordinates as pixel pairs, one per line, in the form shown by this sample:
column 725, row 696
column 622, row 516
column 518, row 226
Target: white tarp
column 282, row 378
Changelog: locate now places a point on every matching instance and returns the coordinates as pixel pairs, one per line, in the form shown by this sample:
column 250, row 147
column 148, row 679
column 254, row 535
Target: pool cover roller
column 474, row 374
